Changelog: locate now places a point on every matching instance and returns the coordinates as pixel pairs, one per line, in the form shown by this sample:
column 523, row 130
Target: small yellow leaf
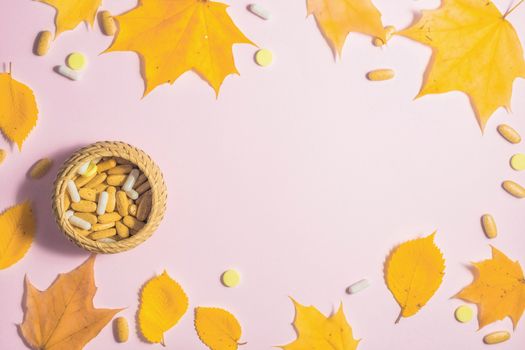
column 337, row 18
column 498, row 289
column 162, row 304
column 316, row 331
column 70, row 13
column 17, row 231
column 217, row 328
column 413, row 272
column 18, row 109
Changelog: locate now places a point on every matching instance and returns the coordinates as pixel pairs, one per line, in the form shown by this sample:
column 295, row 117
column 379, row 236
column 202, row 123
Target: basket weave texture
column 110, row 149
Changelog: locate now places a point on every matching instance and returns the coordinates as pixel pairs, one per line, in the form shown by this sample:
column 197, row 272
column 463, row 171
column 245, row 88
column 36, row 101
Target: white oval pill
column 358, row 286
column 130, row 180
column 80, row 223
column 102, row 202
column 73, row 191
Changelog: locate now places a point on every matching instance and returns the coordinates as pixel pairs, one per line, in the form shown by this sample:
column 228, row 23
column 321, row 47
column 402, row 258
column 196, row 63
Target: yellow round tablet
column 464, row 313
column 76, row 61
column 264, row 57
column 231, row 278
column 517, row 162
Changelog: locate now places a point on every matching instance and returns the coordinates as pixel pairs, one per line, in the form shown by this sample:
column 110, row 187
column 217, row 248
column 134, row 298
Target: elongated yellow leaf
column 18, row 109
column 162, row 304
column 70, row 13
column 217, row 328
column 413, row 272
column 17, row 231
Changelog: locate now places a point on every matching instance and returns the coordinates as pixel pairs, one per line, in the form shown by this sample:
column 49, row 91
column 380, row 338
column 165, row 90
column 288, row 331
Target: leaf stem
column 513, row 8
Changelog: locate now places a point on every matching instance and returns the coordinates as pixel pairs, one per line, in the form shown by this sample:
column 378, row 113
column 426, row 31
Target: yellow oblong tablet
column 489, row 226
column 509, row 133
column 380, row 74
column 231, row 278
column 76, row 61
column 496, row 337
column 108, row 24
column 517, row 161
column 514, row 189
column 43, row 42
column 464, row 314
column 264, row 57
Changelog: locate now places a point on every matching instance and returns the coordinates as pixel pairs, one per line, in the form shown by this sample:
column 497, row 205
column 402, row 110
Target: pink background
column 302, row 176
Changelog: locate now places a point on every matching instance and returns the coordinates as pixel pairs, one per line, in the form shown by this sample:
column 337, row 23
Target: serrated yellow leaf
column 70, row 13
column 476, row 51
column 337, row 18
column 162, row 304
column 217, row 328
column 18, row 109
column 173, row 37
column 413, row 272
column 498, row 289
column 17, row 231
column 316, row 331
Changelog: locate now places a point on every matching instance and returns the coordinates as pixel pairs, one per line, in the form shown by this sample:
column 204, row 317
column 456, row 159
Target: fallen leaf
column 63, row 316
column 173, row 37
column 316, row 331
column 217, row 328
column 17, row 231
column 498, row 289
column 337, row 18
column 162, row 304
column 70, row 13
column 476, row 51
column 18, row 109
column 413, row 272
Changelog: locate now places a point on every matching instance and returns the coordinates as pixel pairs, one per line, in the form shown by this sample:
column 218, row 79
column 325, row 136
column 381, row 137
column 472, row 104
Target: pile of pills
column 109, row 200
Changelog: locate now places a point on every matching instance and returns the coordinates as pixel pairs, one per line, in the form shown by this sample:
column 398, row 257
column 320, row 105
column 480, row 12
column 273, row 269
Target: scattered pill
column 73, row 192
column 358, row 286
column 107, row 23
column 489, row 226
column 496, row 337
column 380, row 74
column 378, row 42
column 264, row 57
column 68, row 73
column 259, row 11
column 514, row 189
column 130, row 180
column 509, row 133
column 76, row 61
column 231, row 278
column 102, row 203
column 122, row 329
column 40, row 168
column 80, row 223
column 82, row 170
column 132, row 194
column 3, row 155
column 389, row 31
column 43, row 42
column 464, row 314
column 517, row 161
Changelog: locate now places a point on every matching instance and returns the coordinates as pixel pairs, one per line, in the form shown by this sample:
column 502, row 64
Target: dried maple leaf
column 316, row 331
column 18, row 110
column 162, row 304
column 63, row 316
column 173, row 37
column 498, row 289
column 17, row 231
column 217, row 328
column 337, row 18
column 476, row 51
column 70, row 13
column 413, row 272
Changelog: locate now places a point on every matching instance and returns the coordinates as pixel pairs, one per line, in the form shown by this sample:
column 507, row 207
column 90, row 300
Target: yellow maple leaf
column 476, row 51
column 18, row 110
column 414, row 271
column 217, row 328
column 316, row 331
column 173, row 37
column 162, row 304
column 337, row 18
column 63, row 316
column 70, row 13
column 498, row 289
column 17, row 231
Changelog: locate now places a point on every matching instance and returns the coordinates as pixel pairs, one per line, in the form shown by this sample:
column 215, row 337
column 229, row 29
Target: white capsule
column 106, row 240
column 82, row 170
column 259, row 11
column 80, row 223
column 130, row 180
column 73, row 192
column 102, row 202
column 132, row 194
column 69, row 214
column 68, row 73
column 358, row 286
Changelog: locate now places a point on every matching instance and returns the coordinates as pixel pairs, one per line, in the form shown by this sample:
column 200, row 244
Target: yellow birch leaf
column 70, row 13
column 316, row 331
column 413, row 272
column 337, row 18
column 476, row 51
column 173, row 37
column 63, row 317
column 18, row 109
column 17, row 231
column 162, row 304
column 498, row 289
column 217, row 328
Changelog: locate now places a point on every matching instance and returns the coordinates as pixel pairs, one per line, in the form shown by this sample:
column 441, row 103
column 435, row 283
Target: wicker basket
column 111, row 149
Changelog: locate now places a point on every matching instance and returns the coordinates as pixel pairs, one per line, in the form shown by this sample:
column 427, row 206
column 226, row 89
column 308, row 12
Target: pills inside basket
column 109, row 199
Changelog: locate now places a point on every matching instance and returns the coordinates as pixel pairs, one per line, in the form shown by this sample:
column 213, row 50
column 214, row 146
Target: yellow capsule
column 122, row 230
column 509, row 133
column 380, row 74
column 514, row 189
column 111, row 199
column 120, row 169
column 489, row 226
column 81, row 180
column 106, row 165
column 43, row 42
column 91, row 218
column 88, row 194
column 109, row 217
column 3, row 154
column 122, row 203
column 378, row 42
column 116, row 180
column 103, row 234
column 84, row 206
column 101, row 227
column 100, row 188
column 132, row 223
column 107, row 23
column 67, row 201
column 97, row 180
column 122, row 329
column 40, row 168
column 496, row 337
column 389, row 31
